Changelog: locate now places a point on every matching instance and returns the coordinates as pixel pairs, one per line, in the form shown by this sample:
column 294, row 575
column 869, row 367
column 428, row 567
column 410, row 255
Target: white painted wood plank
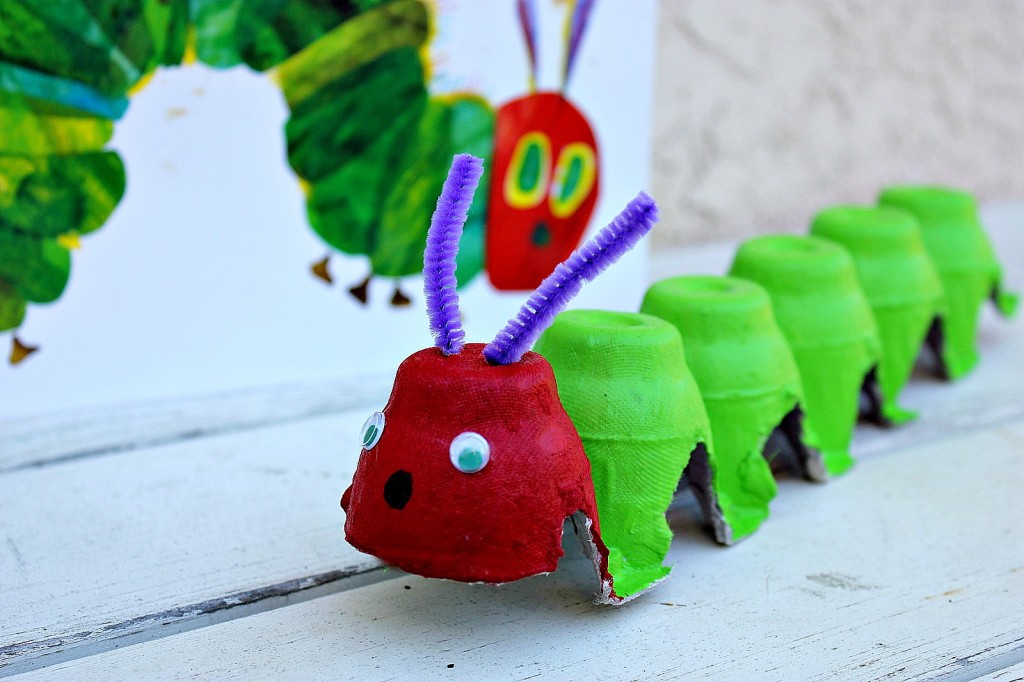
column 102, row 549
column 1015, row 673
column 911, row 569
column 27, row 442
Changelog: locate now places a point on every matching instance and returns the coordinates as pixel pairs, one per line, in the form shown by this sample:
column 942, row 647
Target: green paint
column 343, row 122
column 410, row 201
column 965, row 261
column 397, row 248
column 347, row 139
column 826, row 319
column 34, row 127
column 41, row 198
column 471, row 460
column 65, row 69
column 529, row 170
column 541, row 235
column 369, row 435
column 47, row 196
column 168, row 22
column 472, row 132
column 62, row 37
column 572, row 178
column 747, row 378
column 364, row 135
column 376, row 149
column 36, row 268
column 12, row 306
column 82, row 52
column 70, row 93
column 623, row 380
column 900, row 282
column 354, row 43
column 265, row 33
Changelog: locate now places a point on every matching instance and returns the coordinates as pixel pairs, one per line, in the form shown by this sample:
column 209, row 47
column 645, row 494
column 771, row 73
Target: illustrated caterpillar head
column 473, row 466
column 546, row 173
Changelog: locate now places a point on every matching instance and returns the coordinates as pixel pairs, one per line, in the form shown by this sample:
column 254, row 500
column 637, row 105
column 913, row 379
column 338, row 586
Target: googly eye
column 469, row 452
column 373, row 428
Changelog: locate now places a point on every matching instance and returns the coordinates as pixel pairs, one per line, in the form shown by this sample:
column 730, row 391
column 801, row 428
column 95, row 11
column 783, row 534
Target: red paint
column 500, row 524
column 516, row 257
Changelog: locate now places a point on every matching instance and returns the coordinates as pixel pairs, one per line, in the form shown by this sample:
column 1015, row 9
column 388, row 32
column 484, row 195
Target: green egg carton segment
column 623, row 380
column 827, row 322
column 901, row 285
column 966, row 263
column 749, row 384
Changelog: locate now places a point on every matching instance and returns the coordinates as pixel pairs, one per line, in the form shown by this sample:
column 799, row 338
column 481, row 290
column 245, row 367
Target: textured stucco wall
column 766, row 110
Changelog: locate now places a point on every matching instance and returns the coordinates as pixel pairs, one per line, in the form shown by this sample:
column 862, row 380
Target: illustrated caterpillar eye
column 469, row 452
column 372, row 430
column 575, row 175
column 527, row 177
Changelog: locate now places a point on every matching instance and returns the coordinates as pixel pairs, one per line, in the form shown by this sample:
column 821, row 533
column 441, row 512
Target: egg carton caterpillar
column 473, row 466
column 479, row 456
column 366, row 138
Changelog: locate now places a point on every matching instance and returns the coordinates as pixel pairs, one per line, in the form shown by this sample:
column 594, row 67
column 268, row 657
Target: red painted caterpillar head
column 473, row 466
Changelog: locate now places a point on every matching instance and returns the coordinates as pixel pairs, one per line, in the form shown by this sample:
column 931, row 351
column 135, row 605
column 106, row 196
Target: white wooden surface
column 88, row 432
column 1015, row 673
column 885, row 572
column 107, row 547
column 203, row 539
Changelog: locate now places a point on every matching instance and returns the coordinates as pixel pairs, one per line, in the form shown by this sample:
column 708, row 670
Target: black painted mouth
column 541, row 235
column 398, row 489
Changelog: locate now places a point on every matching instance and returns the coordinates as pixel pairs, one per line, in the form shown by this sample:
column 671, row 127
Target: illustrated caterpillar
column 471, row 469
column 371, row 174
column 366, row 139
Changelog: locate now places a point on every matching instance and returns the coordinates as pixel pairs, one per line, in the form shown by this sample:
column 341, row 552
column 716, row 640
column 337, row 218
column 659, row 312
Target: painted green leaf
column 170, row 30
column 358, row 42
column 146, row 31
column 37, row 268
column 344, row 208
column 64, row 38
column 35, row 127
column 68, row 92
column 401, row 234
column 263, row 33
column 343, row 120
column 472, row 132
column 12, row 307
column 294, row 27
column 216, row 24
column 52, row 195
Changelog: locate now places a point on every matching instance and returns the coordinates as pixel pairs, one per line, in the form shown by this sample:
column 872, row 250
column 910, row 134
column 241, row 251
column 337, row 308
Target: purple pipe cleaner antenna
column 527, row 14
column 575, row 26
column 555, row 292
column 439, row 281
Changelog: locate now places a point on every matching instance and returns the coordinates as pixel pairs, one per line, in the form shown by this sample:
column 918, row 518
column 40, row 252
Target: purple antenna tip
column 439, row 282
column 555, row 292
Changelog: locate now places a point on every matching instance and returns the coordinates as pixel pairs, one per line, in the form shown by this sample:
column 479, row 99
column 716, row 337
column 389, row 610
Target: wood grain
column 28, row 442
column 103, row 549
column 912, row 569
